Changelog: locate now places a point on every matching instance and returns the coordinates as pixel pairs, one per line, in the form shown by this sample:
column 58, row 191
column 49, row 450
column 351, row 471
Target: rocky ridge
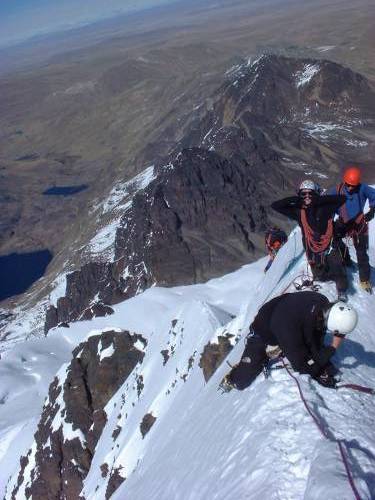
column 272, row 122
column 73, row 417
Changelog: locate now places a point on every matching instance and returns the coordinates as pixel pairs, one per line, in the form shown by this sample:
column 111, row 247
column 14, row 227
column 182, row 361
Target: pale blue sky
column 22, row 19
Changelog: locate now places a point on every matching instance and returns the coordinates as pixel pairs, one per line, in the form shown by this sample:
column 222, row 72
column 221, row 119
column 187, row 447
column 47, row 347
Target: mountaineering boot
column 226, row 385
column 273, row 351
column 342, row 296
column 332, row 371
column 326, row 380
column 366, row 286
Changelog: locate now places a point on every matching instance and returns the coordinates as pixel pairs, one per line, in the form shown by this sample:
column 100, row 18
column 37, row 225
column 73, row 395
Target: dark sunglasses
column 306, row 194
column 350, row 186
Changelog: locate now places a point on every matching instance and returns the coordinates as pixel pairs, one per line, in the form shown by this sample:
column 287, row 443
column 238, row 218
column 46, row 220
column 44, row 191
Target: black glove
column 331, row 370
column 326, row 380
column 370, row 214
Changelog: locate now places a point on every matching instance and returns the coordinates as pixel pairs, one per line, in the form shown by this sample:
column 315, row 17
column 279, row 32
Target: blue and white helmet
column 309, row 185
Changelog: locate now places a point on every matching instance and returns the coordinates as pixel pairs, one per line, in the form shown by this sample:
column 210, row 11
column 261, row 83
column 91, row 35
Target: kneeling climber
column 296, row 323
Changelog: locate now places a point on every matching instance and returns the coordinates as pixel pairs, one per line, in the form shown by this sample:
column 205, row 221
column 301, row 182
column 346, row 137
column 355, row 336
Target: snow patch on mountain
column 113, row 208
column 304, row 76
column 105, row 353
column 59, row 288
column 325, row 48
column 356, row 143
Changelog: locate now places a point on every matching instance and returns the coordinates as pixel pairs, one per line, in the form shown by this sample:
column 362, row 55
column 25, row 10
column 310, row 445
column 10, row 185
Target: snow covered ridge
column 165, row 417
column 241, row 69
column 116, row 199
column 114, row 207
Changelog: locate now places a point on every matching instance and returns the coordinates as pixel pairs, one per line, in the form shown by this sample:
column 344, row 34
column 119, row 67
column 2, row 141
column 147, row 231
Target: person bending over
column 297, row 324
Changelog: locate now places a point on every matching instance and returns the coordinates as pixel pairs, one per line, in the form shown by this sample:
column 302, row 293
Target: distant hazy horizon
column 24, row 19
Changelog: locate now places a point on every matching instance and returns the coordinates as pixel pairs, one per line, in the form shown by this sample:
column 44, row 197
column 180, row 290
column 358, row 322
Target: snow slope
column 257, row 443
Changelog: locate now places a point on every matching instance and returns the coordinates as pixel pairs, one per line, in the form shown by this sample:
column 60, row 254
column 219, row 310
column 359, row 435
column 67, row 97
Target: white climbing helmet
column 342, row 318
column 308, row 185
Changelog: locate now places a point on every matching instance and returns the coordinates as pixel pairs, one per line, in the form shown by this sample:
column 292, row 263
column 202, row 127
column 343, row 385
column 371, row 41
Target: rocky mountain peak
column 74, row 415
column 205, row 207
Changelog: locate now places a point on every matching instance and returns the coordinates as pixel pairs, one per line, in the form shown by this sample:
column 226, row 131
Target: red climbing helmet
column 352, row 176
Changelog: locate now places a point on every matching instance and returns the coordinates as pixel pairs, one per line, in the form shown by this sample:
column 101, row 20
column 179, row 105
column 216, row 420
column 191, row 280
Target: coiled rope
column 316, row 245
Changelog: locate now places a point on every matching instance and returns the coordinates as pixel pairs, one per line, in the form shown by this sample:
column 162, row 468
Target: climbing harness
column 305, row 280
column 306, row 283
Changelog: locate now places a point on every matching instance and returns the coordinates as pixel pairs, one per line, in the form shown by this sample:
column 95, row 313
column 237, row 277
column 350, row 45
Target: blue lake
column 18, row 271
column 64, row 190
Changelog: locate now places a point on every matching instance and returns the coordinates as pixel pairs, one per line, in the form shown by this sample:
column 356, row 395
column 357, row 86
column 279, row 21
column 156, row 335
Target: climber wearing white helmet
column 297, row 324
column 314, row 214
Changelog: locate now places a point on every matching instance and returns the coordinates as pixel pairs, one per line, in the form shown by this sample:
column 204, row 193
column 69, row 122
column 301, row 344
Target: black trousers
column 331, row 268
column 251, row 364
column 360, row 242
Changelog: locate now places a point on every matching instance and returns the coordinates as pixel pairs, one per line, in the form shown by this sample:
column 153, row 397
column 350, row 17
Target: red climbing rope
column 316, row 245
column 356, row 387
column 325, row 434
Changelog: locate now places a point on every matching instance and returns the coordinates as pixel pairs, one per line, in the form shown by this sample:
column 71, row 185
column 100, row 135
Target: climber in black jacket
column 314, row 214
column 297, row 324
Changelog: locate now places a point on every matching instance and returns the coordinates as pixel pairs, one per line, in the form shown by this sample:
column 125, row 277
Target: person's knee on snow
column 250, row 365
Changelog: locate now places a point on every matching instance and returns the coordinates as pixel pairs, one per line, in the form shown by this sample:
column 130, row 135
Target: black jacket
column 294, row 321
column 321, row 210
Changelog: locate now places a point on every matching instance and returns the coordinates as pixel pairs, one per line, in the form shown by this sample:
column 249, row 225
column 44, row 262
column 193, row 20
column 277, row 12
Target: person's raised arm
column 289, row 207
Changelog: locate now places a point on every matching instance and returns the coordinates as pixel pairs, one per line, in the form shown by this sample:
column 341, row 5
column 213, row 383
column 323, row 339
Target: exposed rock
column 51, row 319
column 95, row 279
column 165, row 354
column 140, row 385
column 116, row 432
column 104, row 470
column 73, row 416
column 114, row 482
column 198, row 221
column 146, row 424
column 213, row 355
column 96, row 310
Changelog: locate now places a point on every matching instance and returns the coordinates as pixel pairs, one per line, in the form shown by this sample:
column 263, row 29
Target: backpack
column 275, row 235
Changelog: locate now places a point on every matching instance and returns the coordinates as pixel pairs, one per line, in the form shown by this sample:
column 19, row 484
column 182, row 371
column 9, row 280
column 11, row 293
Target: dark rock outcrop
column 97, row 310
column 146, row 424
column 73, row 416
column 95, row 280
column 200, row 219
column 213, row 355
column 115, row 481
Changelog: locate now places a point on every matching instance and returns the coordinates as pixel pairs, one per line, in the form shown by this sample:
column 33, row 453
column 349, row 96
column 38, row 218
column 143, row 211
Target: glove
column 370, row 214
column 326, row 380
column 331, row 370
